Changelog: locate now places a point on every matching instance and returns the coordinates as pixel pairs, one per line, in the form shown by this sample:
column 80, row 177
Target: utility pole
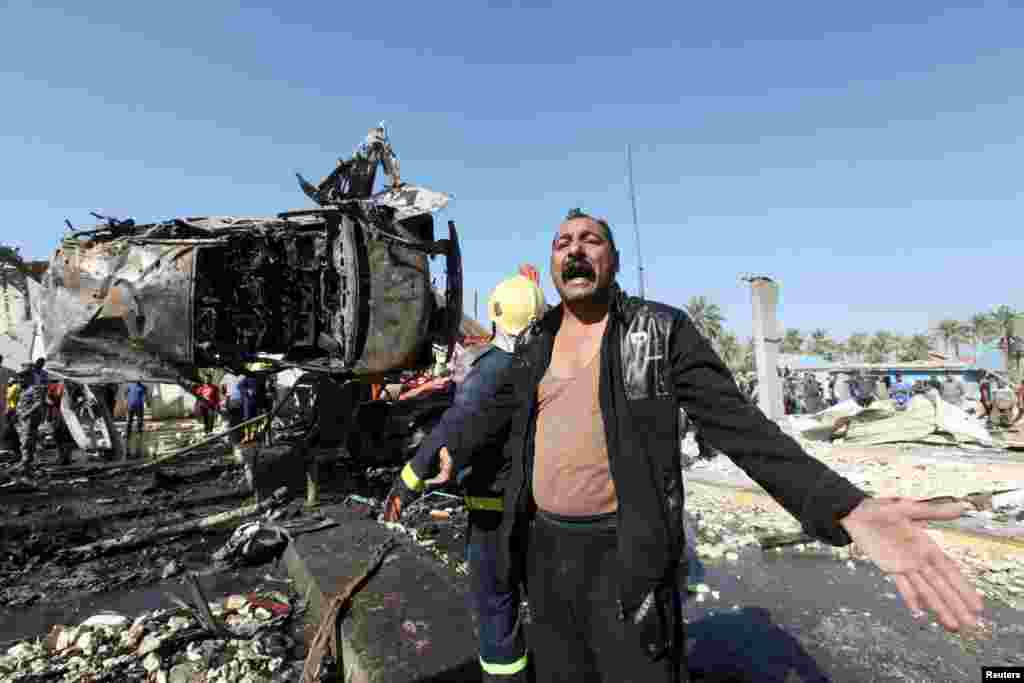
column 476, row 307
column 636, row 226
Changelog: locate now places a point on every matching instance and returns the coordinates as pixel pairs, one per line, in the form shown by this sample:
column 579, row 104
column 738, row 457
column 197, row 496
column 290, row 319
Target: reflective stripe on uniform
column 411, row 481
column 504, row 669
column 490, row 504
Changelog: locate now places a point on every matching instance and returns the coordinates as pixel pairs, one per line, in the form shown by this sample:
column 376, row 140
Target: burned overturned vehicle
column 343, row 288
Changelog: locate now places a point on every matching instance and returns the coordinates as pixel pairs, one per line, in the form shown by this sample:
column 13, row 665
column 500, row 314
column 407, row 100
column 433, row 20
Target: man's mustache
column 574, row 268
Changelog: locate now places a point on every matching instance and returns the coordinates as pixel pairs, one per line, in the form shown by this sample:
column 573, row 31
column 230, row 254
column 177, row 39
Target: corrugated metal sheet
column 928, row 419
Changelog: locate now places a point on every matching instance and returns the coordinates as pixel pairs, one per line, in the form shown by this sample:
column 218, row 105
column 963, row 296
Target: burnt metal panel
column 398, row 303
column 114, row 311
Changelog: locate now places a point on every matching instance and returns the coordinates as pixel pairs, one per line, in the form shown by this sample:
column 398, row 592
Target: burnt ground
column 814, row 618
column 80, row 504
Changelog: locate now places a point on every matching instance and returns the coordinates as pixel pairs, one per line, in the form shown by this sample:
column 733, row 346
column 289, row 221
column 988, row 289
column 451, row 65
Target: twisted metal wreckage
column 343, row 290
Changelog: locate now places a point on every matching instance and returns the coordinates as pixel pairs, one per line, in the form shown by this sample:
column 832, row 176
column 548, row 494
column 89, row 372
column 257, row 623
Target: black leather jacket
column 654, row 362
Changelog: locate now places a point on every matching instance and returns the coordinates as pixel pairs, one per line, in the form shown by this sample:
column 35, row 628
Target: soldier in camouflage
column 31, row 411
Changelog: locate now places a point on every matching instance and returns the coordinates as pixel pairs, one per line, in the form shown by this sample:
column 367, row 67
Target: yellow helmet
column 515, row 303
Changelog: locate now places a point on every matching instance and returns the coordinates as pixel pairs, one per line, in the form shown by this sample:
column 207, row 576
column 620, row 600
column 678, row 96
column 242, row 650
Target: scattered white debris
column 105, row 642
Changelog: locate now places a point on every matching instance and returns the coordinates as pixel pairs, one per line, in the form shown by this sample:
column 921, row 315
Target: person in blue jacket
column 900, row 392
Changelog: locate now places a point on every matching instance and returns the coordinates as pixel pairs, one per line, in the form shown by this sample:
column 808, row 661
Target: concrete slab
column 412, row 622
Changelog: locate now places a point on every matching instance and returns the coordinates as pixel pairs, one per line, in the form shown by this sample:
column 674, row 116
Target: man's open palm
column 889, row 531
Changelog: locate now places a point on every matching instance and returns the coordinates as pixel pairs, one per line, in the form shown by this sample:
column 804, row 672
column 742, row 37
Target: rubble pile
column 167, row 646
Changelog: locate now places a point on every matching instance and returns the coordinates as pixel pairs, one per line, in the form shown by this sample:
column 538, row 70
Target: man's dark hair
column 40, row 362
column 609, row 235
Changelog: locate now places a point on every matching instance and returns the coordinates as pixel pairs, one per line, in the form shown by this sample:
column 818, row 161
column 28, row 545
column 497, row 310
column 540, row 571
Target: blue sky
column 867, row 155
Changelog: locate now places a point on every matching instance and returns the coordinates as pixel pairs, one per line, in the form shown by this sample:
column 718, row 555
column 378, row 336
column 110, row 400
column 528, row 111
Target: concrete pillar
column 764, row 294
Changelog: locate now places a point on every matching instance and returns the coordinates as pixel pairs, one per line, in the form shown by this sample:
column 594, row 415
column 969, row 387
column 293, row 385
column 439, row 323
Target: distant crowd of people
column 1000, row 403
column 30, row 399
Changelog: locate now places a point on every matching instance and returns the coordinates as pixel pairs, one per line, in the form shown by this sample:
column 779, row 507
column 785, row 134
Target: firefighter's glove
column 407, row 488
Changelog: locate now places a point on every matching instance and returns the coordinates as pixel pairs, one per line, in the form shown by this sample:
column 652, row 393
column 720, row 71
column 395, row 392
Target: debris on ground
column 138, row 538
column 253, row 543
column 255, row 642
column 729, row 523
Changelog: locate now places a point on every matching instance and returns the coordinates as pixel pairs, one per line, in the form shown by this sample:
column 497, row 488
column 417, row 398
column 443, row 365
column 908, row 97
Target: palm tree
column 980, row 328
column 881, row 345
column 857, row 344
column 915, row 347
column 1003, row 318
column 951, row 332
column 749, row 362
column 838, row 351
column 821, row 345
column 793, row 341
column 730, row 351
column 706, row 316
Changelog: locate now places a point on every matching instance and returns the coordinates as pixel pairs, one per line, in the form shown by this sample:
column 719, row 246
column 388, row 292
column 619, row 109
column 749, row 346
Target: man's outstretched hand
column 890, row 532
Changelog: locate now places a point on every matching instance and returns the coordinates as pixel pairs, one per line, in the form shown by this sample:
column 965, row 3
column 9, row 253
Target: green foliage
column 706, row 316
column 952, row 333
column 915, row 348
column 793, row 341
column 857, row 344
column 880, row 346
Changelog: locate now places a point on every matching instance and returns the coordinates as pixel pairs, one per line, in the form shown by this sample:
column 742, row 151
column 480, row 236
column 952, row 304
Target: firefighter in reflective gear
column 477, row 374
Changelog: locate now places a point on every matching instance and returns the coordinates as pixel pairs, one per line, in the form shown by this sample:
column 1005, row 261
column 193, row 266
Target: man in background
column 55, row 416
column 882, row 388
column 207, row 404
column 952, row 391
column 248, row 390
column 31, row 411
column 137, row 399
column 1020, row 403
column 900, row 392
column 232, row 391
column 985, row 385
column 9, row 437
column 5, row 379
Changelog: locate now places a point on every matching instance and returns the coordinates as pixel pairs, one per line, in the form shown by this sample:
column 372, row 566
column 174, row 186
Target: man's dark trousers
column 30, row 413
column 134, row 413
column 502, row 646
column 576, row 634
column 235, row 419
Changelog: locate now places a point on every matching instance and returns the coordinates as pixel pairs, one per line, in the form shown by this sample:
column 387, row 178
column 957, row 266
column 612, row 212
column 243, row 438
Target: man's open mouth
column 578, row 270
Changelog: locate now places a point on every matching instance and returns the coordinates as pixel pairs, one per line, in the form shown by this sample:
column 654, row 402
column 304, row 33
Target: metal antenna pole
column 636, row 226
